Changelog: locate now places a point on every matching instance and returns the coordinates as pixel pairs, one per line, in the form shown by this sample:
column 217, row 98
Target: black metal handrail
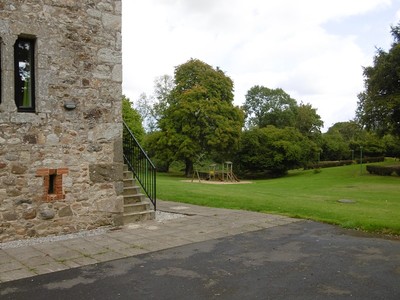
column 139, row 164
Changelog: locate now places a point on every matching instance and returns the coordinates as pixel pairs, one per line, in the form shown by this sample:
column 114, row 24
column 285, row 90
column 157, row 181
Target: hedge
column 367, row 159
column 329, row 164
column 338, row 163
column 383, row 170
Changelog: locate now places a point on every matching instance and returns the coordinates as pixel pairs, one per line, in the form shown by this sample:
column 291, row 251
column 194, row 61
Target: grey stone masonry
column 61, row 166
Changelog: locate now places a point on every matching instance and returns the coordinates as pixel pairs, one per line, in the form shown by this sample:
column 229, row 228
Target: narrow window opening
column 24, row 70
column 1, row 71
column 52, row 184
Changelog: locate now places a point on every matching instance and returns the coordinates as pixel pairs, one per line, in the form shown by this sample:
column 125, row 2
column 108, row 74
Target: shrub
column 381, row 170
column 397, row 170
column 367, row 159
column 317, row 171
column 271, row 151
column 329, row 164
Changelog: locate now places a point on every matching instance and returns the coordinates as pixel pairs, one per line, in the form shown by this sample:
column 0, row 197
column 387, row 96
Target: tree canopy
column 379, row 105
column 273, row 151
column 151, row 107
column 344, row 139
column 132, row 118
column 200, row 116
column 192, row 115
column 307, row 121
column 265, row 106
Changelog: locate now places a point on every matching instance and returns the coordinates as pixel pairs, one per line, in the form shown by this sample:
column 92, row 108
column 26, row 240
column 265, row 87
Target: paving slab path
column 219, row 254
column 178, row 224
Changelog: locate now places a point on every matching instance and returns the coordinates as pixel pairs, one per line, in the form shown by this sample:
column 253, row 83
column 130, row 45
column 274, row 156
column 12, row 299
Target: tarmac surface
column 206, row 253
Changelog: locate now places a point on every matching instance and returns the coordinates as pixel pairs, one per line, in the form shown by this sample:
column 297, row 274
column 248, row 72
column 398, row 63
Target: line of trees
column 192, row 115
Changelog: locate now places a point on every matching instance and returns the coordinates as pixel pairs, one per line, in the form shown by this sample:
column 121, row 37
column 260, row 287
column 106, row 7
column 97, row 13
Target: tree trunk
column 188, row 167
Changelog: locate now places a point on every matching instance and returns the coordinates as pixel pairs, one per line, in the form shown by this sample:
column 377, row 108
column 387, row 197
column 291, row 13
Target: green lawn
column 303, row 194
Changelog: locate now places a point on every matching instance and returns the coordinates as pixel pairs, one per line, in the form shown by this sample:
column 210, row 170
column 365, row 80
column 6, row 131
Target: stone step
column 126, row 168
column 131, row 190
column 139, row 216
column 133, row 198
column 128, row 175
column 136, row 207
column 129, row 181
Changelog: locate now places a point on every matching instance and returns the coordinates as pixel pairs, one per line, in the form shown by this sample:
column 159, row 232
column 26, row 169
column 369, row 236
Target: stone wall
column 60, row 166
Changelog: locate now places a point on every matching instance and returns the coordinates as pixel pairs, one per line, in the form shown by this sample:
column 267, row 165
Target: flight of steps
column 136, row 206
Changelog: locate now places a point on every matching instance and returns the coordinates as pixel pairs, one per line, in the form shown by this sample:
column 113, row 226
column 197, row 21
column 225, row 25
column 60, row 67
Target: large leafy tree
column 200, row 117
column 132, row 119
column 144, row 106
column 392, row 145
column 350, row 131
column 273, row 151
column 152, row 107
column 307, row 121
column 264, row 106
column 156, row 144
column 379, row 105
column 163, row 86
column 334, row 146
column 344, row 139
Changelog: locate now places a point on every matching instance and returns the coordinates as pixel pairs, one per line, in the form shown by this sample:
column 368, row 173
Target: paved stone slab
column 107, row 256
column 49, row 267
column 12, row 265
column 185, row 224
column 301, row 260
column 16, row 274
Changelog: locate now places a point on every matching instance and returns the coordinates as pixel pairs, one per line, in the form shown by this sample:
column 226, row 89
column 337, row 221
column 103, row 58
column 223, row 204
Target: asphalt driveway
column 301, row 260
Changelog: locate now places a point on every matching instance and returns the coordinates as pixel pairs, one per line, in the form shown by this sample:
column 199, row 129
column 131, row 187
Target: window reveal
column 52, row 183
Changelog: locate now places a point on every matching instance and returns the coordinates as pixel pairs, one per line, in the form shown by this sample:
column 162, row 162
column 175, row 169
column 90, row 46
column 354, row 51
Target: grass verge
column 303, row 194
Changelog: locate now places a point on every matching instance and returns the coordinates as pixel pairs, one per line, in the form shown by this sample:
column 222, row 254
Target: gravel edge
column 160, row 217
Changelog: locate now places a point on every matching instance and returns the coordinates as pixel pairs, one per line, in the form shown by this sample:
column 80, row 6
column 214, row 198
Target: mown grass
column 303, row 194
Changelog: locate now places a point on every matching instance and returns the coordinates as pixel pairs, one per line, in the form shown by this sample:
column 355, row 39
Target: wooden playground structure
column 214, row 174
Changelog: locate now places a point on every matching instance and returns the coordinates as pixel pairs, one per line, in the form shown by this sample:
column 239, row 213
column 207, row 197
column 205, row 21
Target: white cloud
column 282, row 43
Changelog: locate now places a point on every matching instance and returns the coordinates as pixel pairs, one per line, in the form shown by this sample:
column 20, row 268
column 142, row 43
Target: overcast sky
column 313, row 49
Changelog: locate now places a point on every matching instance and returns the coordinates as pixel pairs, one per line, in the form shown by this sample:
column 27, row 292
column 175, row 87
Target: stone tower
column 60, row 116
